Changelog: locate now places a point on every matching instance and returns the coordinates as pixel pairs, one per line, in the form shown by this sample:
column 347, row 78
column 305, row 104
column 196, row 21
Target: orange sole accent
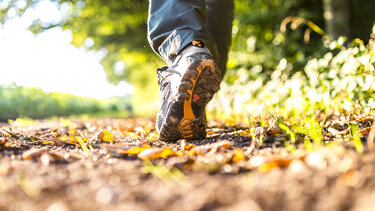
column 184, row 125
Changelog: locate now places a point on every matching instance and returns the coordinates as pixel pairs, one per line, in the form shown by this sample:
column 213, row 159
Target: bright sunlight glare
column 48, row 60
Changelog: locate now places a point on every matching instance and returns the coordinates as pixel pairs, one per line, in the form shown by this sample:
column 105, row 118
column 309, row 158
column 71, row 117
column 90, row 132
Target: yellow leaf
column 134, row 135
column 107, row 136
column 265, row 167
column 230, row 123
column 152, row 137
column 146, row 146
column 180, row 153
column 238, row 155
column 155, row 153
column 134, row 150
column 63, row 138
column 72, row 132
column 167, row 152
column 199, row 150
column 103, row 135
column 49, row 142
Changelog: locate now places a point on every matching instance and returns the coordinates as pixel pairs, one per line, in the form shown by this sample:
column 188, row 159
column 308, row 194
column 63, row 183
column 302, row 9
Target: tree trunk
column 337, row 18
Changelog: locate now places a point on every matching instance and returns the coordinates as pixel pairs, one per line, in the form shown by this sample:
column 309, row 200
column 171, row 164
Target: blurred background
column 69, row 57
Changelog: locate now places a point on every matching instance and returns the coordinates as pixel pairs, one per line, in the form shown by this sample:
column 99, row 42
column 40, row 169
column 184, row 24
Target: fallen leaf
column 274, row 129
column 209, row 132
column 340, row 125
column 152, row 137
column 32, row 154
column 133, row 135
column 186, row 146
column 11, row 134
column 203, row 149
column 3, row 141
column 258, row 131
column 48, row 142
column 155, row 153
column 238, row 155
column 105, row 136
column 278, row 162
column 134, row 150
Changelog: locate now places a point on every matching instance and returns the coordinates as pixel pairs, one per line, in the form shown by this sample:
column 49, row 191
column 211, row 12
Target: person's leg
column 177, row 32
column 173, row 24
column 219, row 25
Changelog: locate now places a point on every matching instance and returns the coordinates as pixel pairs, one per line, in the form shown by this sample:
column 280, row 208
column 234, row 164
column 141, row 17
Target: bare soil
column 229, row 170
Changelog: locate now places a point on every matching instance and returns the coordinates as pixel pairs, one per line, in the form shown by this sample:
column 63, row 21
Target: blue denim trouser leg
column 173, row 24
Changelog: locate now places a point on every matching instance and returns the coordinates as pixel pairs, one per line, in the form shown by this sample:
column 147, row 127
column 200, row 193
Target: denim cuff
column 179, row 39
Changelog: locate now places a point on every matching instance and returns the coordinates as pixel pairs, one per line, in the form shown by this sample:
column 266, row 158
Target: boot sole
column 198, row 85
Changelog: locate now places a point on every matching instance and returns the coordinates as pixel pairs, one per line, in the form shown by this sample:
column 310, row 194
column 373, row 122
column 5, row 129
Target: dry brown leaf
column 334, row 132
column 203, row 149
column 133, row 135
column 32, row 154
column 274, row 129
column 258, row 131
column 122, row 149
column 340, row 126
column 365, row 131
column 3, row 141
column 11, row 134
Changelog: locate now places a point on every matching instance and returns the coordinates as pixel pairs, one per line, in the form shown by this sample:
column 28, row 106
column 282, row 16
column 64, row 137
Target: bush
column 16, row 101
column 340, row 80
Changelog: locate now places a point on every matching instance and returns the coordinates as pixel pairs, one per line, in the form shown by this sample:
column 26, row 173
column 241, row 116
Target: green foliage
column 257, row 39
column 310, row 128
column 18, row 101
column 117, row 29
column 347, row 77
column 340, row 80
column 267, row 65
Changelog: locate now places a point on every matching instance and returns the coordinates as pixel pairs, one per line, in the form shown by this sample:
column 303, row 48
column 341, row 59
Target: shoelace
column 197, row 43
column 158, row 71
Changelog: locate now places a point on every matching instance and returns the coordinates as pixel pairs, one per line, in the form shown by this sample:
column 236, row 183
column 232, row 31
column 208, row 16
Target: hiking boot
column 186, row 87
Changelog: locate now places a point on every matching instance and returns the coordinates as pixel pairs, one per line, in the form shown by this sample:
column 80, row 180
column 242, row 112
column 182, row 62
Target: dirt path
column 71, row 165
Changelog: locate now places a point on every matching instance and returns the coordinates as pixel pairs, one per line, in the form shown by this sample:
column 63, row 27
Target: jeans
column 173, row 24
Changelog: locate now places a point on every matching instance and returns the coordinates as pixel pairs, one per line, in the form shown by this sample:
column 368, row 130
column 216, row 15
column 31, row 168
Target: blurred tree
column 362, row 18
column 258, row 40
column 118, row 30
column 337, row 18
column 17, row 101
column 351, row 18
